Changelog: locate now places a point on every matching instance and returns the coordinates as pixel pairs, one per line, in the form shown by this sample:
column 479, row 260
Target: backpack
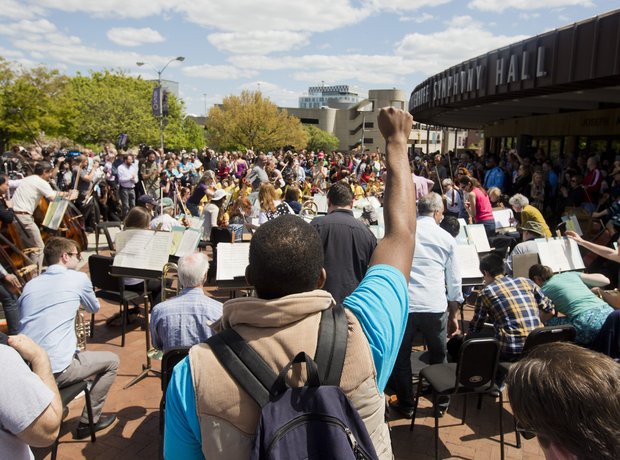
column 315, row 421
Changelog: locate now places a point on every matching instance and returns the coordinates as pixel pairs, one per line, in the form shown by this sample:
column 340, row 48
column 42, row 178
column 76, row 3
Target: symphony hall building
column 559, row 91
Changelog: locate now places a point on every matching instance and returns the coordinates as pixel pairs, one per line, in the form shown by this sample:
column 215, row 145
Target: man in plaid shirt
column 511, row 304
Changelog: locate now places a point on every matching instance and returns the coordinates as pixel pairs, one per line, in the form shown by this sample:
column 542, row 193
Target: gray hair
column 518, row 200
column 193, row 269
column 429, row 203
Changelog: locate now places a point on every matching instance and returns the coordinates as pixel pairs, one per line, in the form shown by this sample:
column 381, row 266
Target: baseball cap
column 147, row 199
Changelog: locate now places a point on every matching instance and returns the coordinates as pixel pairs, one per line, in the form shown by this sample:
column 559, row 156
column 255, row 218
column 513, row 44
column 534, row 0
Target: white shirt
column 434, row 269
column 29, row 193
column 453, row 200
column 128, row 175
column 166, row 221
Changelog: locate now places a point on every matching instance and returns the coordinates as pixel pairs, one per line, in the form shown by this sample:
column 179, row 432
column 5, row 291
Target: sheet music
column 477, row 235
column 468, row 261
column 177, row 236
column 55, row 212
column 461, row 238
column 502, row 218
column 321, row 203
column 232, row 260
column 189, row 242
column 142, row 249
column 560, row 254
column 572, row 223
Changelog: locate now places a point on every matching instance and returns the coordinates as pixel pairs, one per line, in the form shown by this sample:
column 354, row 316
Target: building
column 558, row 91
column 356, row 126
column 337, row 96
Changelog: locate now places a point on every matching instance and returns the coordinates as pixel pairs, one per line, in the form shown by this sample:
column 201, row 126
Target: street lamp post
column 161, row 96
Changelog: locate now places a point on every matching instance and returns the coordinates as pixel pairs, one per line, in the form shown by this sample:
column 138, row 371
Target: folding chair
column 473, row 374
column 111, row 288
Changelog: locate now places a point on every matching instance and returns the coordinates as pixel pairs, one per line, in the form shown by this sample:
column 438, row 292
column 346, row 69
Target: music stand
column 144, row 275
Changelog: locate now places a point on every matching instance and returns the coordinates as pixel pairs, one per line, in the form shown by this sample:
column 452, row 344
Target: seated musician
column 48, row 307
column 27, row 197
column 185, row 320
column 530, row 231
column 165, row 220
column 570, row 293
column 521, row 204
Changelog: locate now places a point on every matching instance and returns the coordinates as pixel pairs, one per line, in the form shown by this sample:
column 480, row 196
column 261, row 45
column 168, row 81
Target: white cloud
column 218, row 72
column 109, row 8
column 501, row 5
column 258, row 42
column 13, row 9
column 424, row 17
column 129, row 36
column 464, row 38
column 281, row 96
column 27, row 26
column 406, row 5
column 528, row 16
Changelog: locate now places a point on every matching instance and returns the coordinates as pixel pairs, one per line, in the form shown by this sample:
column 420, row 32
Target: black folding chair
column 170, row 359
column 473, row 374
column 111, row 288
column 68, row 394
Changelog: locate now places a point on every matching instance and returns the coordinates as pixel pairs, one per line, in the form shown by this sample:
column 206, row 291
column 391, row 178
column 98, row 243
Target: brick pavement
column 136, row 434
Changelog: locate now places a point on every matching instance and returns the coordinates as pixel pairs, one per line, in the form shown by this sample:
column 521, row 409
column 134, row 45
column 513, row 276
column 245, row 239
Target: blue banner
column 155, row 101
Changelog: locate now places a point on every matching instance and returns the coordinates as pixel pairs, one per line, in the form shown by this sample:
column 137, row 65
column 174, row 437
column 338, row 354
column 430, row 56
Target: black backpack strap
column 332, row 345
column 244, row 364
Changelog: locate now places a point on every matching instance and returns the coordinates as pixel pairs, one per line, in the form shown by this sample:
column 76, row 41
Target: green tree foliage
column 251, row 121
column 89, row 109
column 32, row 102
column 321, row 140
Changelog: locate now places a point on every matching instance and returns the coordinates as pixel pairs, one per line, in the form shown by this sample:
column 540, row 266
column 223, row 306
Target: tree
column 251, row 121
column 321, row 140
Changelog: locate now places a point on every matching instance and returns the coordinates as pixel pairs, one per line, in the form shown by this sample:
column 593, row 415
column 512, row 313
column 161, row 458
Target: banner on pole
column 164, row 103
column 155, row 101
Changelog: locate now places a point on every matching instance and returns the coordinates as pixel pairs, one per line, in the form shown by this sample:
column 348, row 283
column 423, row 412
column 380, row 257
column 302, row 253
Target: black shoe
column 65, row 412
column 405, row 411
column 83, row 430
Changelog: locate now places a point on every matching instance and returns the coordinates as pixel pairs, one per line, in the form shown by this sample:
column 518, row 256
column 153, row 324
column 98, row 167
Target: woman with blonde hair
column 270, row 206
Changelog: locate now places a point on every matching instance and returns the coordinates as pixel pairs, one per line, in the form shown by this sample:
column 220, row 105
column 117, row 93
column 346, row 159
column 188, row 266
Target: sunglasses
column 77, row 255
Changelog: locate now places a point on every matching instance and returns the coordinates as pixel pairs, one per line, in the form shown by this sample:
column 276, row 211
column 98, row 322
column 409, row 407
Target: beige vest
column 278, row 329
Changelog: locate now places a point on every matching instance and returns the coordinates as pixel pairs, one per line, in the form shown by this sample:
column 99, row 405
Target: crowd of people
column 392, row 288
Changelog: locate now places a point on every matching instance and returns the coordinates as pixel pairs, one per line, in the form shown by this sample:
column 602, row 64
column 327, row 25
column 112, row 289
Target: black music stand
column 144, row 275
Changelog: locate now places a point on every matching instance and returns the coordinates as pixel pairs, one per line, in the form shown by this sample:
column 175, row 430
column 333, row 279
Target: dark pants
column 433, row 327
column 193, row 208
column 11, row 310
column 489, row 226
column 128, row 199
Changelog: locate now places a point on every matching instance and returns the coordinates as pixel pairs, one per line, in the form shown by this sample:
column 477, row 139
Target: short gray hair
column 429, row 203
column 518, row 200
column 193, row 269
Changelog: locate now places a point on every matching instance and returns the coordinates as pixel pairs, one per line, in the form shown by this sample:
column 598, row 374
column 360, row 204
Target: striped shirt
column 511, row 304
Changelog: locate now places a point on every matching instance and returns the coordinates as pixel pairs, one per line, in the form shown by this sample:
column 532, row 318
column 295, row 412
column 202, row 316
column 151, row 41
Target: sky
column 280, row 47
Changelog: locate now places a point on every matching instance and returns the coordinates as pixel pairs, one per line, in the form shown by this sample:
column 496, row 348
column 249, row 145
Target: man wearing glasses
column 48, row 306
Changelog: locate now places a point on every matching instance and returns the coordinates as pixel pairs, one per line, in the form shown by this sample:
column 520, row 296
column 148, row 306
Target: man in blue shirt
column 48, row 306
column 186, row 319
column 494, row 176
column 209, row 416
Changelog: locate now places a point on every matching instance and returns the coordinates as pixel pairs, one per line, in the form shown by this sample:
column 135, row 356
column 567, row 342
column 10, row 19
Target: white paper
column 502, row 218
column 560, row 254
column 572, row 223
column 321, row 203
column 142, row 249
column 232, row 260
column 461, row 238
column 378, row 231
column 189, row 242
column 468, row 261
column 477, row 235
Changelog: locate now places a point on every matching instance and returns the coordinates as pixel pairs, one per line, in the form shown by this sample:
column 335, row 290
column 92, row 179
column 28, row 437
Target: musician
column 165, row 221
column 26, row 200
column 87, row 174
column 48, row 306
column 149, row 170
column 127, row 180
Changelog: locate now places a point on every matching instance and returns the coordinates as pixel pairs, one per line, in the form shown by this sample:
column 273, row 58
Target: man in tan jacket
column 209, row 416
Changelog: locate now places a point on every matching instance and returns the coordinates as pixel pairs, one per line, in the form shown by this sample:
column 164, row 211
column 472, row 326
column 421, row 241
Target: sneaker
column 83, row 430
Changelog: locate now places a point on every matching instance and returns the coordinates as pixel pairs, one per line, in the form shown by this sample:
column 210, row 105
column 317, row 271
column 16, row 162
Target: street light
column 161, row 95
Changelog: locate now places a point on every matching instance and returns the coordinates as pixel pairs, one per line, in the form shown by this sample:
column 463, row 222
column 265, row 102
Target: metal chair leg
column 517, row 434
column 124, row 314
column 89, row 409
column 415, row 403
column 464, row 408
column 480, row 401
column 501, row 425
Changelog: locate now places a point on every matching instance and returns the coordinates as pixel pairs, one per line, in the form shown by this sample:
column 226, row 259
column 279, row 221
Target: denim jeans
column 128, row 199
column 11, row 310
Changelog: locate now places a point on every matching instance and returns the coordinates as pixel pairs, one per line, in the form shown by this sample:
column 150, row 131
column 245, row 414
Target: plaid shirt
column 511, row 304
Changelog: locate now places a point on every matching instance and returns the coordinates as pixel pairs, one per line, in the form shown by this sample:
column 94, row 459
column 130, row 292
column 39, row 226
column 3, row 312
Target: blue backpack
column 315, row 421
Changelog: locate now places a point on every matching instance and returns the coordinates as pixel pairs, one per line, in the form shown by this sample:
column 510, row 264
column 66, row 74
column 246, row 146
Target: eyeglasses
column 77, row 255
column 527, row 434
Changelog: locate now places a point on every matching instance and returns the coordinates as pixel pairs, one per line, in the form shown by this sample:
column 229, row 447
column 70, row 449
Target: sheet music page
column 477, row 235
column 189, row 242
column 572, row 224
column 502, row 218
column 51, row 210
column 177, row 236
column 560, row 254
column 232, row 259
column 468, row 261
column 142, row 249
column 461, row 238
column 321, row 202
